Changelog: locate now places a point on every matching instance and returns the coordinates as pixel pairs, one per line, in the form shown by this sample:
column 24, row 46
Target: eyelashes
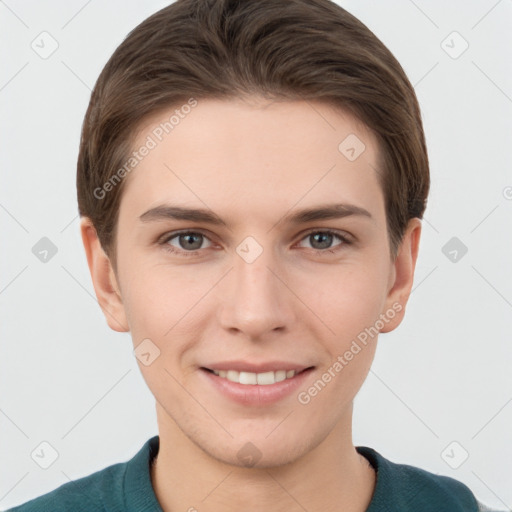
column 181, row 252
column 197, row 252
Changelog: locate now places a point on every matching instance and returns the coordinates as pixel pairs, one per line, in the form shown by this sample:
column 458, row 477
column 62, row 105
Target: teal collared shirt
column 126, row 487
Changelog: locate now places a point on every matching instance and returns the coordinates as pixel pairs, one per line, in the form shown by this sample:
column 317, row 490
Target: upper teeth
column 255, row 378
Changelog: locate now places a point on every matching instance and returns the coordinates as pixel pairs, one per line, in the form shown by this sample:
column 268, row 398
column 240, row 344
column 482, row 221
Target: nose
column 256, row 298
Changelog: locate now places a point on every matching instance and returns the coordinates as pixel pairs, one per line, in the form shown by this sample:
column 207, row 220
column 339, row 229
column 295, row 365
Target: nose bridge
column 258, row 301
column 255, row 285
column 252, row 274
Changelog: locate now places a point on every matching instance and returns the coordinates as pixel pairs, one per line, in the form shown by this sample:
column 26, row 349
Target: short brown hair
column 279, row 49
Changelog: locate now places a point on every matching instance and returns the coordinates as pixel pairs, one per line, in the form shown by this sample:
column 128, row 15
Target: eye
column 187, row 243
column 322, row 240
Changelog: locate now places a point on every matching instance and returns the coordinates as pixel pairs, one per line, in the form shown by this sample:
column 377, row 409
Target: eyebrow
column 321, row 212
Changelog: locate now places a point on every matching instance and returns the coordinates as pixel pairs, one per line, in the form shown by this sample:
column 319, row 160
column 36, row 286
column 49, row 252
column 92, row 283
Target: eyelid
column 171, row 234
column 338, row 232
column 345, row 237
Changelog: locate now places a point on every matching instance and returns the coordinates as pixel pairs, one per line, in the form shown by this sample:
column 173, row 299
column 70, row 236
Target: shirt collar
column 138, row 490
column 389, row 487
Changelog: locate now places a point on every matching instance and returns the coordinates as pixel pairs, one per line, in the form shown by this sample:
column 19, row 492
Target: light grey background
column 442, row 377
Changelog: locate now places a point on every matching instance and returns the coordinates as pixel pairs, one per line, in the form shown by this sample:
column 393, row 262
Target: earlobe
column 103, row 278
column 402, row 275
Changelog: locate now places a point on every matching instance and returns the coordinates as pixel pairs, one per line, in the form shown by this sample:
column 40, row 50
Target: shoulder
column 83, row 494
column 113, row 489
column 484, row 508
column 402, row 487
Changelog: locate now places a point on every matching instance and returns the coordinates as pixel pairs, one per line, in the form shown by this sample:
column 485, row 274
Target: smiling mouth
column 250, row 378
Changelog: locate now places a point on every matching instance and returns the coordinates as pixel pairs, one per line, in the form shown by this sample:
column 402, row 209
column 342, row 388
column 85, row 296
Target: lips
column 245, row 366
column 242, row 372
column 256, row 389
column 262, row 378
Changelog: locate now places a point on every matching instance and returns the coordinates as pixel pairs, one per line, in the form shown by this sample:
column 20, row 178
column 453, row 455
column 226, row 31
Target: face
column 253, row 288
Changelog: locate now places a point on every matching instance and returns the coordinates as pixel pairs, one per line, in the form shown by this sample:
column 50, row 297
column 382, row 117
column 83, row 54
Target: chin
column 260, row 453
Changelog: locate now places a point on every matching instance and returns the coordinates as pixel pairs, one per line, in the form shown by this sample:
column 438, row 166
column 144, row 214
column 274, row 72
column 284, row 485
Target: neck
column 185, row 477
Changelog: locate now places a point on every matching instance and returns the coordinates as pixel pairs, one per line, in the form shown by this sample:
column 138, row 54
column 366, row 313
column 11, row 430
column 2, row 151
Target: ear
column 402, row 276
column 103, row 278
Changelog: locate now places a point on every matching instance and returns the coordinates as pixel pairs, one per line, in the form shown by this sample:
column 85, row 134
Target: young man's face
column 256, row 292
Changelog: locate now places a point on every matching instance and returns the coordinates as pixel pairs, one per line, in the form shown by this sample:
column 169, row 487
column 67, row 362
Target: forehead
column 253, row 153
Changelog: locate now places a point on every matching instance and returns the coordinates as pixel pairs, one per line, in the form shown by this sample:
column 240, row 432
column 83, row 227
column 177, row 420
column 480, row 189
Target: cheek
column 161, row 301
column 162, row 306
column 350, row 299
column 351, row 307
column 155, row 298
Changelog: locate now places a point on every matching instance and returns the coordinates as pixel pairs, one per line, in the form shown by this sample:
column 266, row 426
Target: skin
column 252, row 162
